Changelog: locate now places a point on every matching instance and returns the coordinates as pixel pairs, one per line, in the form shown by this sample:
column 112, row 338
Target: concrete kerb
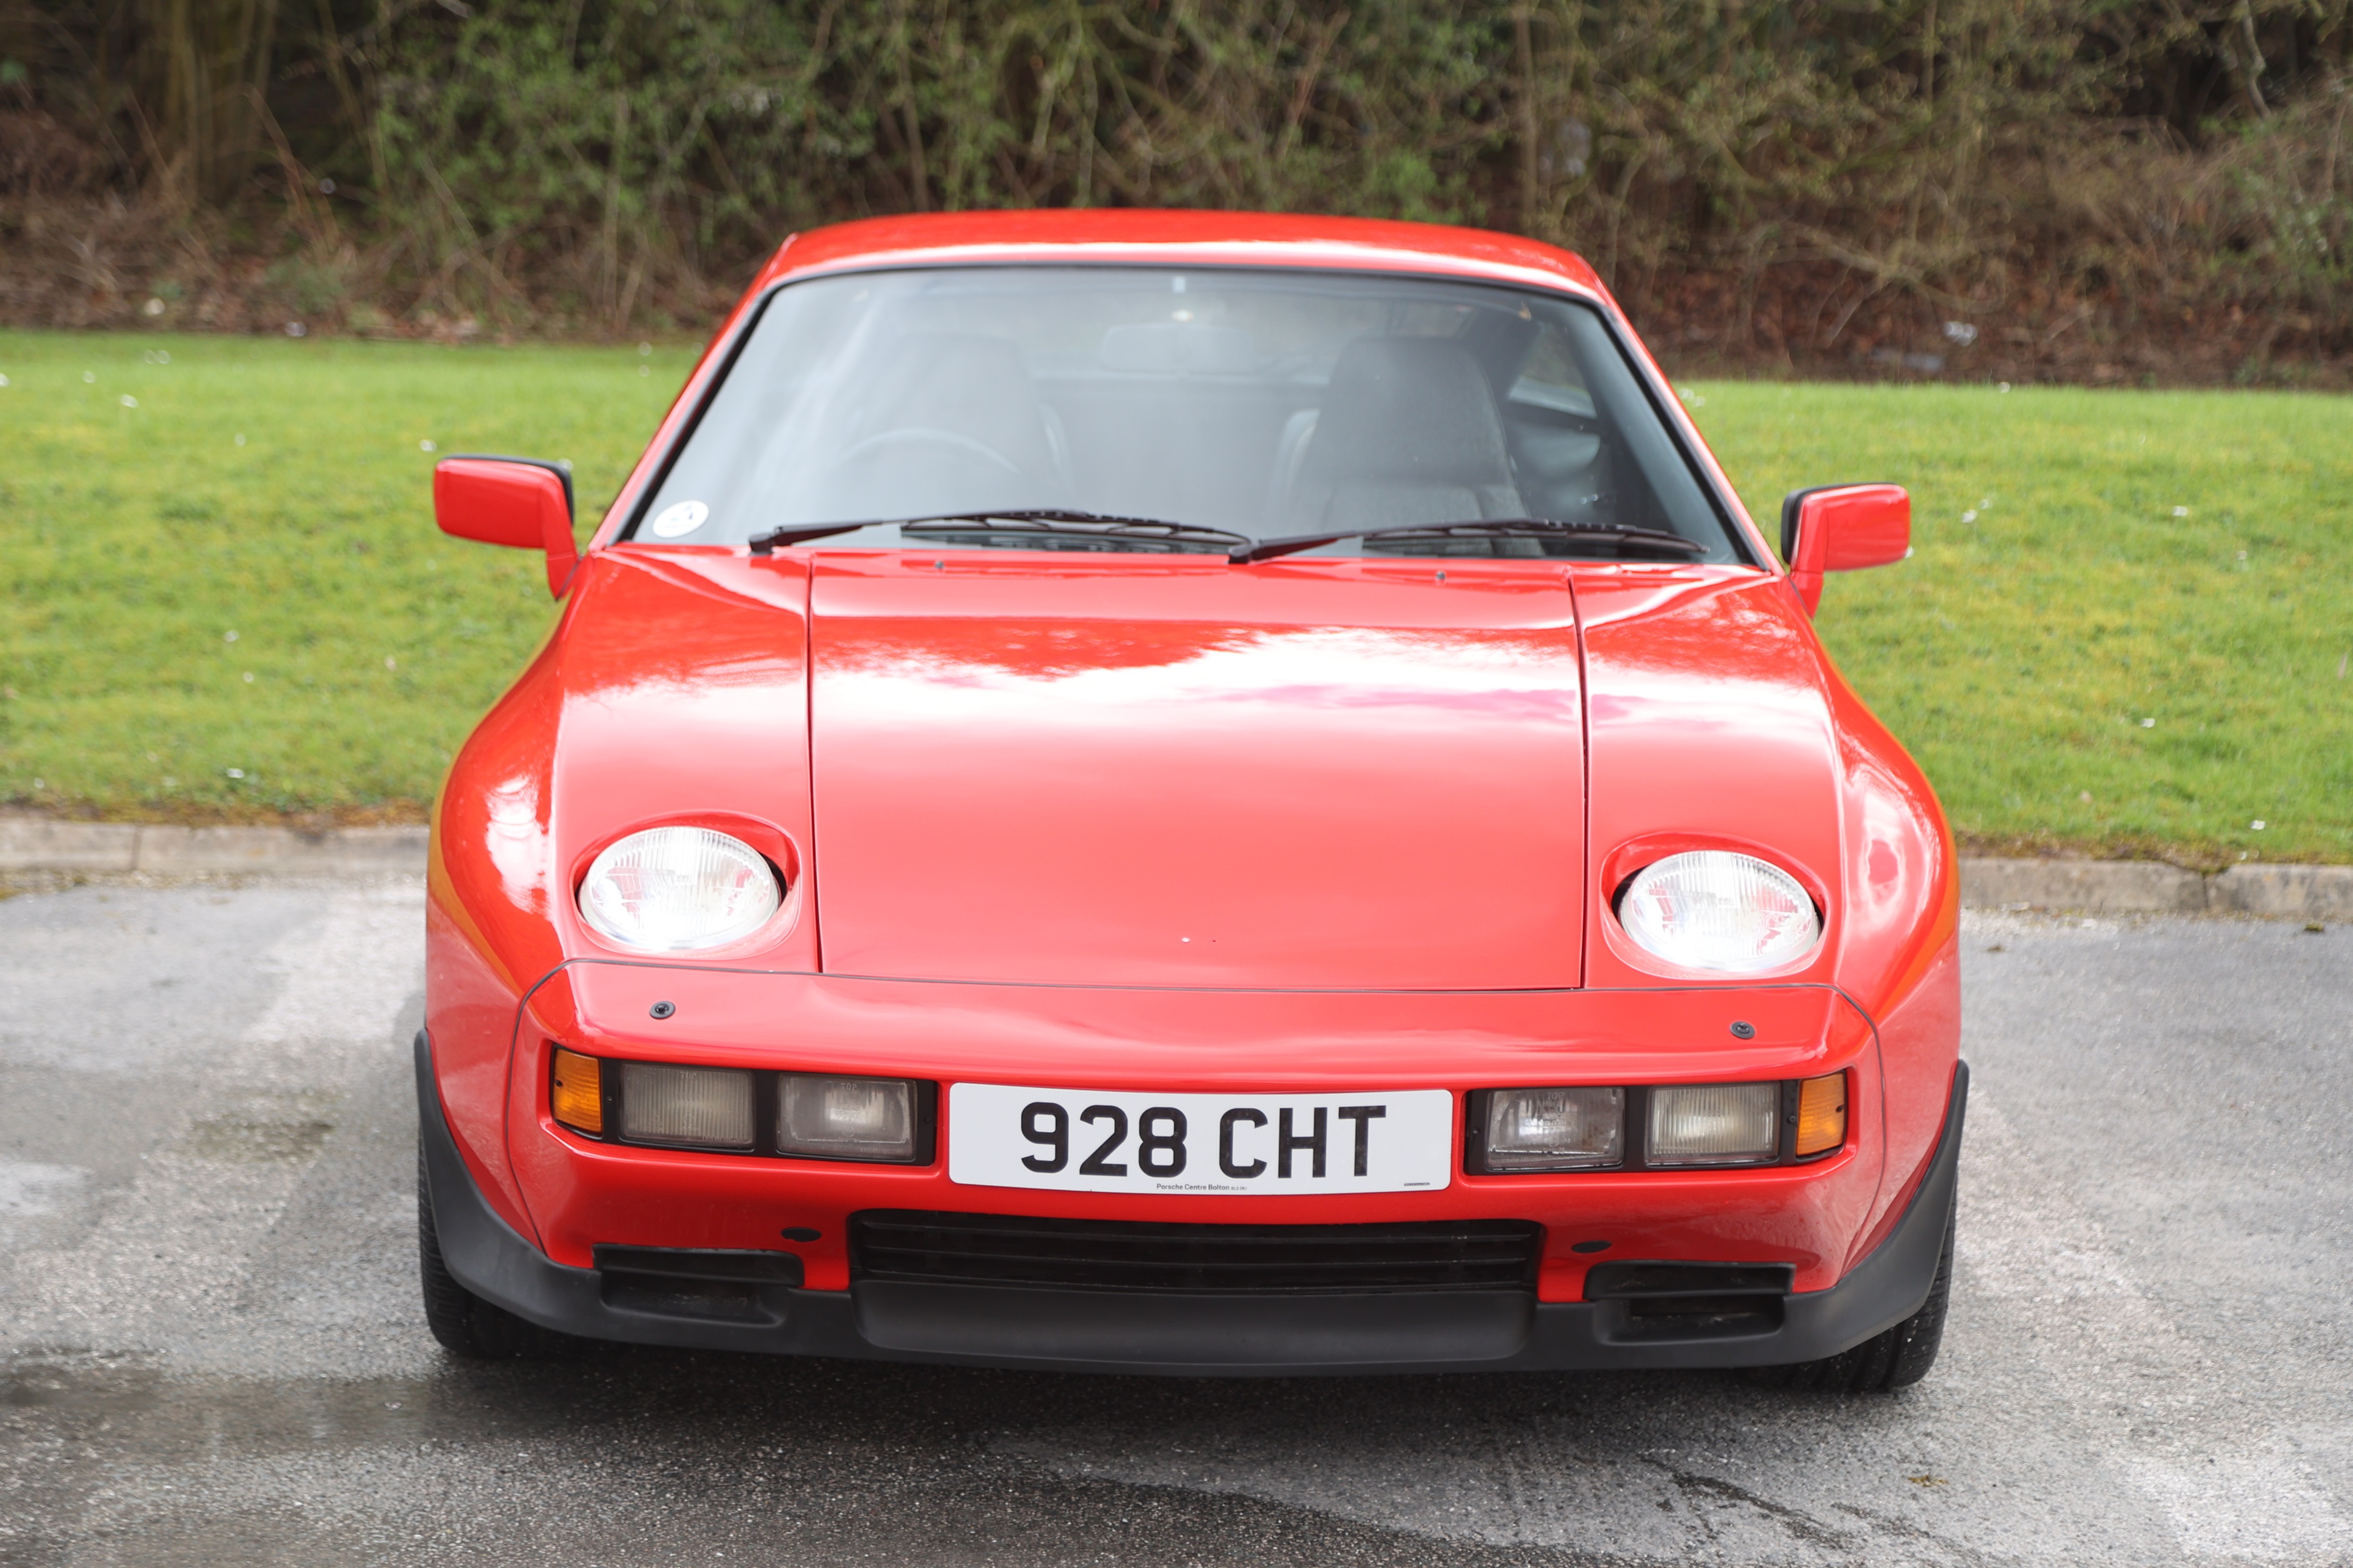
column 104, row 848
column 2148, row 887
column 44, row 846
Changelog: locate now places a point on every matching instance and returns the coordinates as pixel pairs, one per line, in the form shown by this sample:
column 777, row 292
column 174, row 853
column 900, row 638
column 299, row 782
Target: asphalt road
column 211, row 1349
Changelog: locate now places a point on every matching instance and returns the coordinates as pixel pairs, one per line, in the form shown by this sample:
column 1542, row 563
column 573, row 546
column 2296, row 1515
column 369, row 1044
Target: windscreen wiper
column 1045, row 520
column 1238, row 548
column 1059, row 522
column 1622, row 533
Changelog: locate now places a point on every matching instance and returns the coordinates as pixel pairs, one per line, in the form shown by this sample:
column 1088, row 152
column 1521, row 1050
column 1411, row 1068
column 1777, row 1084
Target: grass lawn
column 180, row 603
column 240, row 573
column 2128, row 625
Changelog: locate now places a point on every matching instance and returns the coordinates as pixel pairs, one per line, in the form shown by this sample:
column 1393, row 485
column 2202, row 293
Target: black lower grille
column 688, row 1282
column 1689, row 1300
column 1621, row 1282
column 1120, row 1255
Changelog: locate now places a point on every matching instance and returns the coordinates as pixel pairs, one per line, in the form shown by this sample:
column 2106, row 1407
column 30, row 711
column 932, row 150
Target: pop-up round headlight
column 673, row 890
column 1711, row 908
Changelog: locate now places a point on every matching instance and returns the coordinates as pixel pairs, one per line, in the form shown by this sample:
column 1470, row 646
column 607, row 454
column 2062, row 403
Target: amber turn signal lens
column 576, row 1095
column 1821, row 1113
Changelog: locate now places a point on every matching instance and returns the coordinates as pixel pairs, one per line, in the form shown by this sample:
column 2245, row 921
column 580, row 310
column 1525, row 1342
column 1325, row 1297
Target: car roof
column 1179, row 239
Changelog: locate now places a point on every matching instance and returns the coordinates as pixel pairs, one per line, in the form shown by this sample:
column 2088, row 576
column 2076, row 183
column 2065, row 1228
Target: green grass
column 2088, row 562
column 179, row 605
column 2018, row 653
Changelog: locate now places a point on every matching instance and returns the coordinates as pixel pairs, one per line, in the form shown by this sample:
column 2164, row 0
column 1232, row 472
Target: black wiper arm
column 1289, row 544
column 1477, row 528
column 1049, row 514
column 762, row 544
column 1546, row 528
column 1038, row 519
column 1061, row 520
column 1240, row 549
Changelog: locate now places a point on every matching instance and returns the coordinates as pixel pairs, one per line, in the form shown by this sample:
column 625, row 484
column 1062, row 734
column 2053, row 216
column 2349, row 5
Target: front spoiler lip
column 1188, row 1336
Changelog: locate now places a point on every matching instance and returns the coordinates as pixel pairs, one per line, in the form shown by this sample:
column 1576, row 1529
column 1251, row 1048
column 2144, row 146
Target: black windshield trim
column 659, row 474
column 1645, row 375
column 1652, row 381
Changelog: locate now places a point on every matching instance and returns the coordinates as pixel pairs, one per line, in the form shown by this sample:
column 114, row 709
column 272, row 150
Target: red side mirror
column 1843, row 528
column 519, row 501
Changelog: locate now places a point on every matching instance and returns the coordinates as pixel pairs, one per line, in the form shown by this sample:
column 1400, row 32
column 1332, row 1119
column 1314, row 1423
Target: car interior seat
column 1407, row 433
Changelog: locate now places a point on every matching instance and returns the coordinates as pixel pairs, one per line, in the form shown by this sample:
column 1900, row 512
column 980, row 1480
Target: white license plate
column 1088, row 1141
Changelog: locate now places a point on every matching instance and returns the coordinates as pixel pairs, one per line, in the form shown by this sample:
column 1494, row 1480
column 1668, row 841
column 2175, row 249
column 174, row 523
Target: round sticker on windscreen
column 682, row 518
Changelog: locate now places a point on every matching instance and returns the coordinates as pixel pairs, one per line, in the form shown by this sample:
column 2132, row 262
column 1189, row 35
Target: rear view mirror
column 1843, row 528
column 518, row 502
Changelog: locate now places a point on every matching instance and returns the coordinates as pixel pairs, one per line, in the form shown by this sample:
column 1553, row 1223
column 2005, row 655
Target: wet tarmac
column 211, row 1349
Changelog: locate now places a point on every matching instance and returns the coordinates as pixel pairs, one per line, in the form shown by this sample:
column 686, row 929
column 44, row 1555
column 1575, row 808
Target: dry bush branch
column 2157, row 184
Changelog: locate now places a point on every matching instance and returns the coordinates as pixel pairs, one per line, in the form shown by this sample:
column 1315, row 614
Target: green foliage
column 2055, row 171
column 622, row 144
column 1928, row 149
column 2295, row 243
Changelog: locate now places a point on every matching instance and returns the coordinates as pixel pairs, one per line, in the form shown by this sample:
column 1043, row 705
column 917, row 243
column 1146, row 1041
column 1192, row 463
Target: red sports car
column 1192, row 793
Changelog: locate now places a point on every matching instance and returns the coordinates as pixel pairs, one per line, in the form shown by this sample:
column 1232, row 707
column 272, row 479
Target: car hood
column 1323, row 775
column 1343, row 775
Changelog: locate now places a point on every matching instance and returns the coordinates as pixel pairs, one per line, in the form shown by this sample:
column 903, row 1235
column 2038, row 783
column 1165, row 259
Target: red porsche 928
column 1192, row 793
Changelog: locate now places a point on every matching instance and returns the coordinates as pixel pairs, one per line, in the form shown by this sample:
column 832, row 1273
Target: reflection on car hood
column 1197, row 776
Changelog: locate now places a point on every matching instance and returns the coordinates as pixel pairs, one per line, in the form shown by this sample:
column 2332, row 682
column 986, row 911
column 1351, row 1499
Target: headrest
column 1409, row 409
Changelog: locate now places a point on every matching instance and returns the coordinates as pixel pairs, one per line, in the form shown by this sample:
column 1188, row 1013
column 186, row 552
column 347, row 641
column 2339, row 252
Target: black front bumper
column 1184, row 1334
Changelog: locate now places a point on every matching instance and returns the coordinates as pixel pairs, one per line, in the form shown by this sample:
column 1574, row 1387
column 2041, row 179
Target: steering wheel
column 922, row 436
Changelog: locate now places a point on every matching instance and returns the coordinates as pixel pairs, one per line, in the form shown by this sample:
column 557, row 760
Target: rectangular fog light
column 1551, row 1129
column 846, row 1118
column 1715, row 1124
column 701, row 1108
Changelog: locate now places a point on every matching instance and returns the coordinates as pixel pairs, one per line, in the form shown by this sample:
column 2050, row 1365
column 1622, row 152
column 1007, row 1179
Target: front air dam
column 1199, row 1335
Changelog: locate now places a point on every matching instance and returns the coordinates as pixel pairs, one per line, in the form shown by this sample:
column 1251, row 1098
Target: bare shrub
column 1983, row 186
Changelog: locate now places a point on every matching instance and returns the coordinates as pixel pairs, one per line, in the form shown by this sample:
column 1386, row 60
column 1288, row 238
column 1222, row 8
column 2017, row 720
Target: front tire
column 1893, row 1359
column 467, row 1325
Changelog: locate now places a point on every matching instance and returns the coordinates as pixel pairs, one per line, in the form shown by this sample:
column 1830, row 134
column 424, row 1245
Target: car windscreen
column 1435, row 415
